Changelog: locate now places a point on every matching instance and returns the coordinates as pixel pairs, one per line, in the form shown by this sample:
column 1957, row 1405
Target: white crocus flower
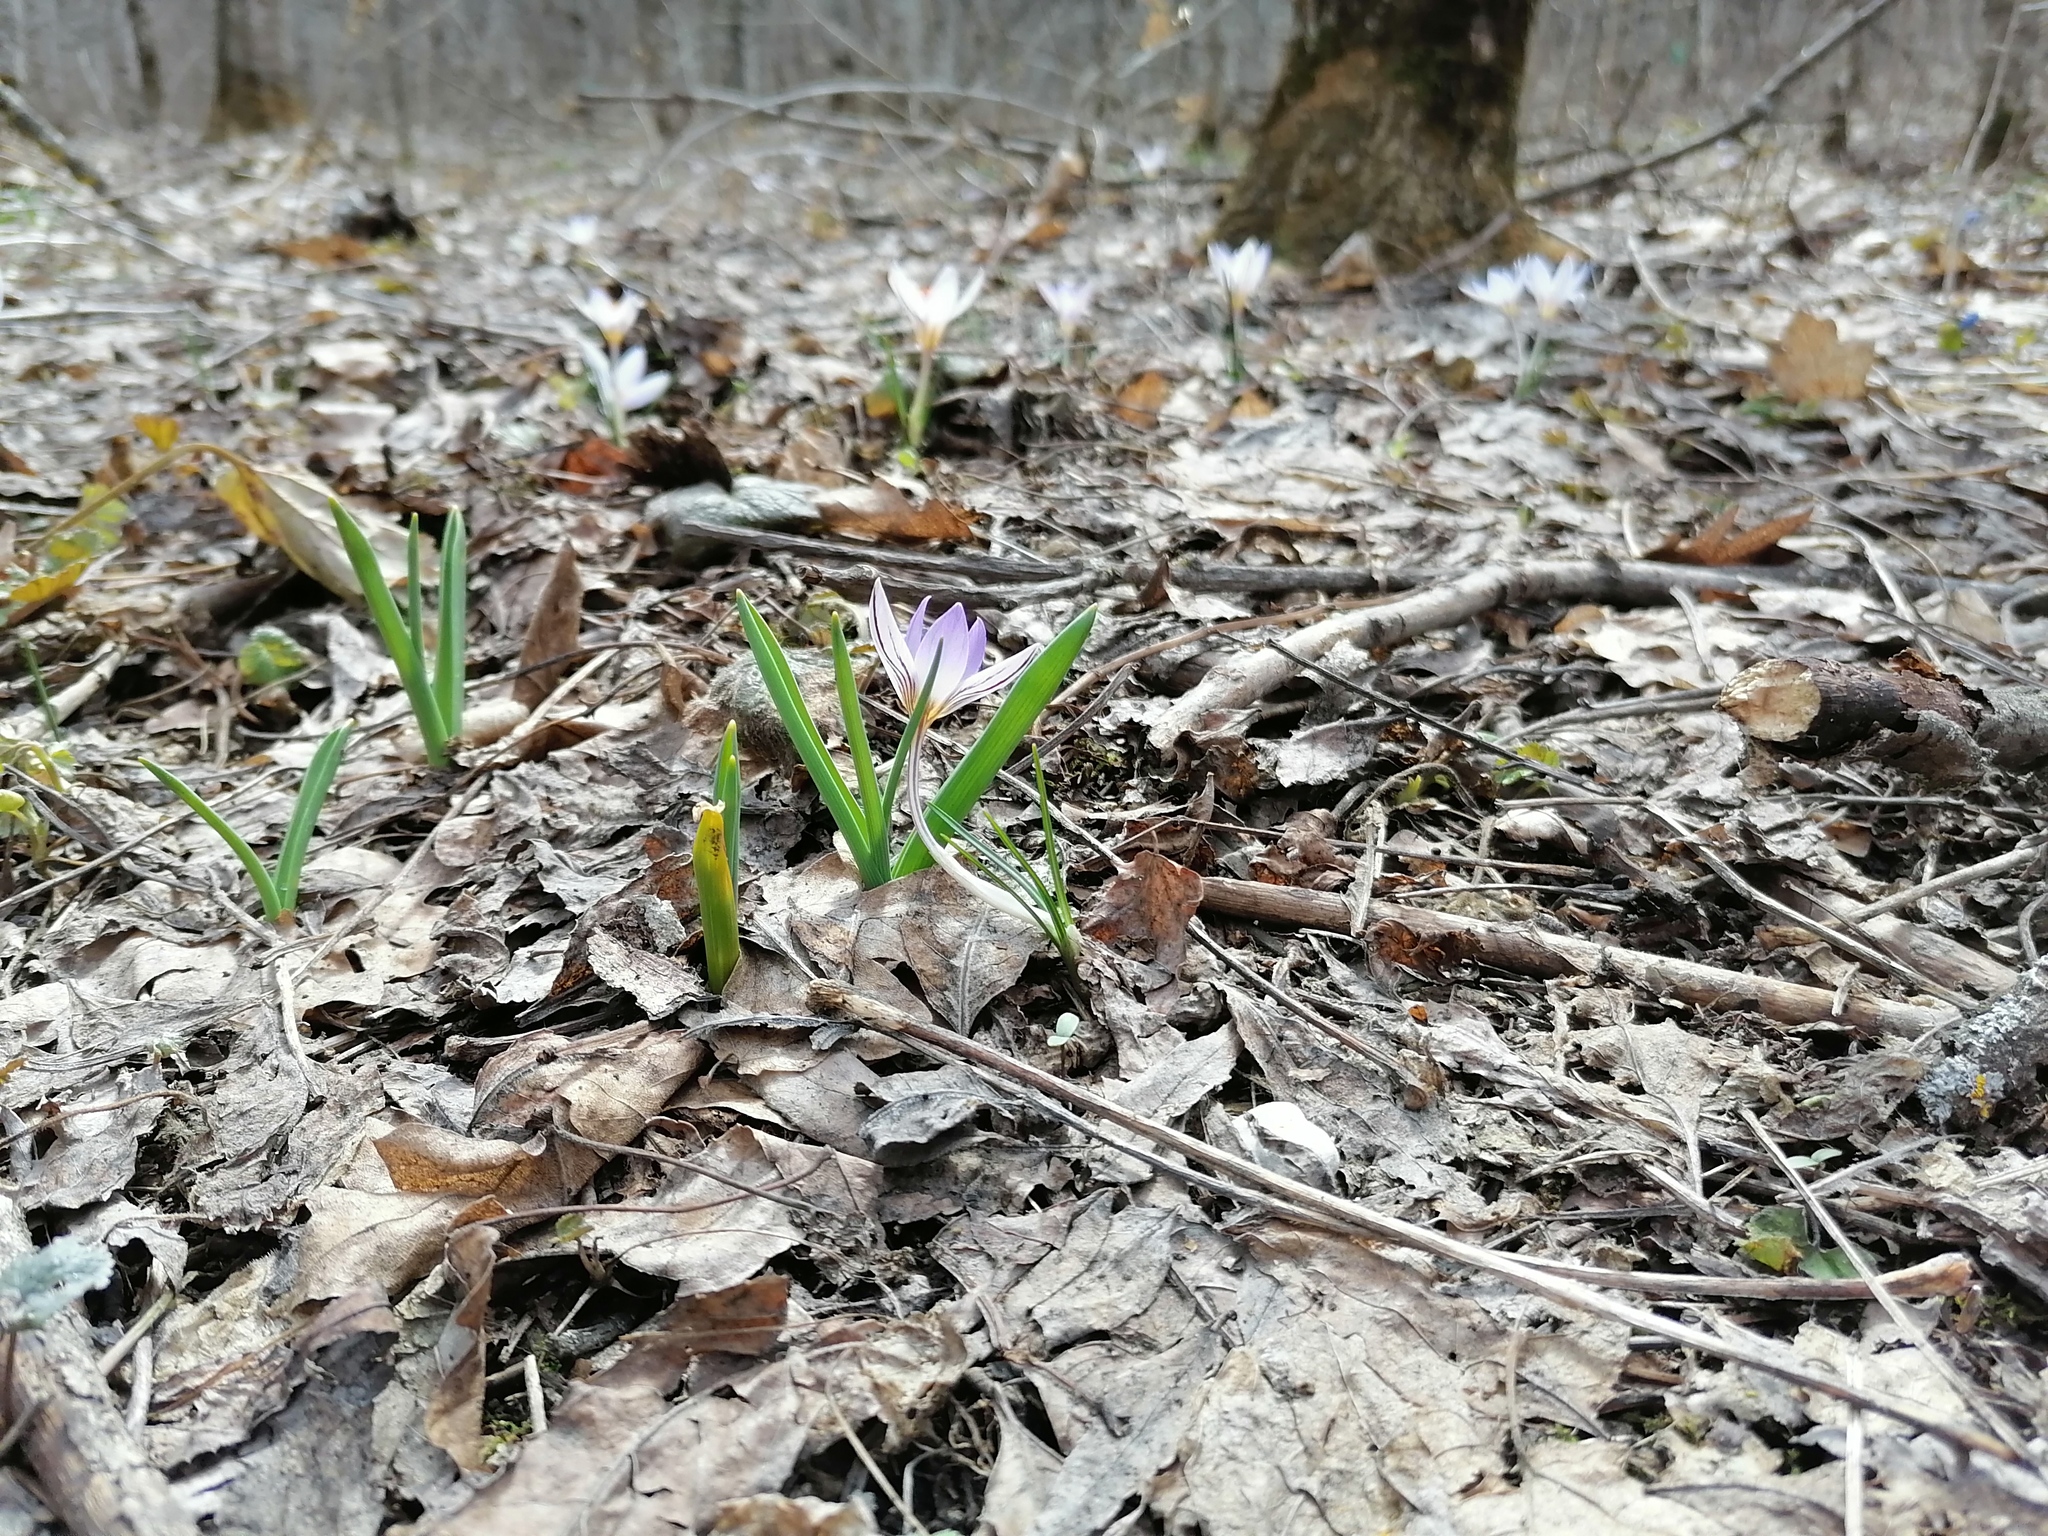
column 1242, row 271
column 612, row 317
column 934, row 306
column 622, row 382
column 632, row 385
column 1069, row 300
column 1152, row 158
column 1553, row 290
column 580, row 231
column 1501, row 289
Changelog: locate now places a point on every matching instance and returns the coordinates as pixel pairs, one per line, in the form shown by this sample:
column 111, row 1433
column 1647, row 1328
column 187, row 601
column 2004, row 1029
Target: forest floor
column 1508, row 1084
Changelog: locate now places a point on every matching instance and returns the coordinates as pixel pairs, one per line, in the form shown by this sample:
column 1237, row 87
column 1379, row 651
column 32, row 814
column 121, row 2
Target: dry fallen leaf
column 1138, row 402
column 455, row 1411
column 1149, row 903
column 595, row 465
column 1811, row 363
column 880, row 511
column 328, row 251
column 1252, row 404
column 553, row 631
column 1721, row 543
column 1354, row 265
column 296, row 513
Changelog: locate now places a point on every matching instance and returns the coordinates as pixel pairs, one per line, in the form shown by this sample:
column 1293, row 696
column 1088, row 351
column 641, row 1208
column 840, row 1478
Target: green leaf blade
column 1005, row 733
column 451, row 667
column 395, row 632
column 266, row 888
column 298, row 836
column 725, row 789
column 857, row 737
column 871, row 859
column 717, row 902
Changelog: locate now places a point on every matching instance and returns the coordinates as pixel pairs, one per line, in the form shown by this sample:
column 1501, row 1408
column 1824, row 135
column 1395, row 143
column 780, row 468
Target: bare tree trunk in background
column 148, row 71
column 1396, row 117
column 401, row 87
column 250, row 94
column 2006, row 128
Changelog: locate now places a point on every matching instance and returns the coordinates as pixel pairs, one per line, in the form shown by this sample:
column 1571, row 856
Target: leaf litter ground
column 1426, row 883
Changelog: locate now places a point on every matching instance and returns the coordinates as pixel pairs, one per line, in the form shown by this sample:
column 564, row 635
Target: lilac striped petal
column 941, row 654
column 887, row 640
column 994, row 678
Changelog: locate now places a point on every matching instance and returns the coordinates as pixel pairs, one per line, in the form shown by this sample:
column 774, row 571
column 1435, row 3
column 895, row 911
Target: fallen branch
column 2033, row 850
column 34, row 724
column 1303, row 1203
column 1534, row 952
column 31, row 125
column 1946, row 1274
column 1248, row 677
column 1755, row 111
column 94, row 1475
column 1906, row 713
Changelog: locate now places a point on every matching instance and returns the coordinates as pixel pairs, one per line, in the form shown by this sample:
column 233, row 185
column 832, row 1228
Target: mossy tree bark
column 1395, row 117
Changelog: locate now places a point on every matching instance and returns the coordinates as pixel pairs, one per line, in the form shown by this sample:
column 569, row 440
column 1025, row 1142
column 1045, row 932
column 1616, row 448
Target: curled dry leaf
column 881, row 511
column 552, row 632
column 1148, row 904
column 295, row 513
column 1722, row 543
column 328, row 252
column 455, row 1410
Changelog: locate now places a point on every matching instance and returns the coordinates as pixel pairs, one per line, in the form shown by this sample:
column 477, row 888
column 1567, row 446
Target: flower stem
column 1237, row 368
column 921, row 401
column 982, row 890
column 611, row 400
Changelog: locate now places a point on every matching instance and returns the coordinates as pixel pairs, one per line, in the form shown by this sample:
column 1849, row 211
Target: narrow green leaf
column 450, row 658
column 298, row 836
column 1006, row 732
column 716, row 903
column 266, row 888
column 1008, row 868
column 857, row 738
column 415, row 597
column 391, row 625
column 725, row 789
column 871, row 858
column 1052, row 843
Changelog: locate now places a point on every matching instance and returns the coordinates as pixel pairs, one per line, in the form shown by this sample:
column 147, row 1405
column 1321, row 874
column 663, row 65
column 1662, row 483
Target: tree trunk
column 2002, row 77
column 147, row 68
column 250, row 89
column 1394, row 117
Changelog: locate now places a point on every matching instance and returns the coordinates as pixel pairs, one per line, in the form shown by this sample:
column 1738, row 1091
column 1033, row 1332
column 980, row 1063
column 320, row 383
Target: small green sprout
column 715, row 861
column 432, row 674
column 279, row 891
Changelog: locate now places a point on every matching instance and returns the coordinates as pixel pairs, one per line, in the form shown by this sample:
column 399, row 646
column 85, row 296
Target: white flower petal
column 887, row 640
column 995, row 677
column 644, row 393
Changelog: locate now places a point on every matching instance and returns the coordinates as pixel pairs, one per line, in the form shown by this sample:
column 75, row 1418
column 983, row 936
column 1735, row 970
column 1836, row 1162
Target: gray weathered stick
column 93, row 1473
column 1535, row 952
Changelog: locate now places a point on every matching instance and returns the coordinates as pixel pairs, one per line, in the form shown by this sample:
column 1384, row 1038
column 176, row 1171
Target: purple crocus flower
column 947, row 650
